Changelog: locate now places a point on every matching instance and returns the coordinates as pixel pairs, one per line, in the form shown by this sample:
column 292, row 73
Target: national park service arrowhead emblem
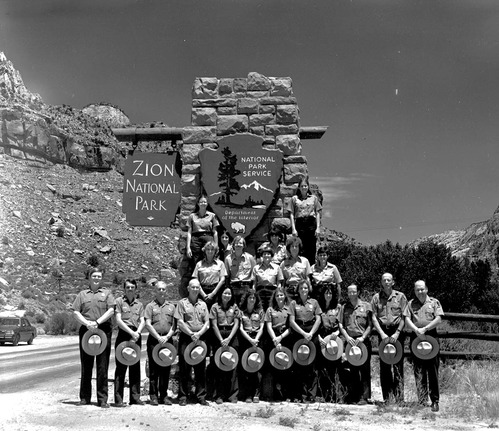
column 240, row 179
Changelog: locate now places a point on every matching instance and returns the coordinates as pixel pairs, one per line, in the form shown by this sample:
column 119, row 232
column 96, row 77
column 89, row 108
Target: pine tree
column 227, row 174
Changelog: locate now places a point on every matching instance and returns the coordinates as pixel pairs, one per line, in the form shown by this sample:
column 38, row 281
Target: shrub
column 287, row 421
column 28, row 294
column 265, row 413
column 40, row 317
column 61, row 324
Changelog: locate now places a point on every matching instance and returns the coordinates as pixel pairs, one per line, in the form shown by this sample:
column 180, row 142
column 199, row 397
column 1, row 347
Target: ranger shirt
column 389, row 309
column 131, row 312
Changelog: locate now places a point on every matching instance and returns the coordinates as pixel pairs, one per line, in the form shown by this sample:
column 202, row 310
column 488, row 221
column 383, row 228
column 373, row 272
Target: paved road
column 47, row 361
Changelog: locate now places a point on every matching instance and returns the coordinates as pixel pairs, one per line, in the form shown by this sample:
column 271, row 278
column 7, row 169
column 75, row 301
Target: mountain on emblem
column 240, row 179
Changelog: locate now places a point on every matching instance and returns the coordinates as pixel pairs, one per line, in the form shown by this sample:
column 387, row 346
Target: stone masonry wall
column 261, row 105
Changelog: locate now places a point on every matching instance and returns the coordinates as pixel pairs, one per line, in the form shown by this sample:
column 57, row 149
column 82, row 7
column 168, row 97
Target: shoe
column 154, row 402
column 233, row 401
column 434, row 407
column 249, row 400
column 137, row 403
column 84, row 403
column 183, row 402
column 362, row 403
column 104, row 405
column 167, row 401
column 219, row 401
column 256, row 399
column 119, row 404
column 203, row 402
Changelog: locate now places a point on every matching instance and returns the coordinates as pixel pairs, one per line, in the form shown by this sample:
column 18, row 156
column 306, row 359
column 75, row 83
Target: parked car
column 16, row 329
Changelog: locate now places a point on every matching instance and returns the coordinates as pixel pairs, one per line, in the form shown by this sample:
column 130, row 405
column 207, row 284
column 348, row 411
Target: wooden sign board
column 240, row 179
column 151, row 189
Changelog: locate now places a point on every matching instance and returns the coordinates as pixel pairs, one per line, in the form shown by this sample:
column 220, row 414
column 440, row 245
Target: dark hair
column 220, row 294
column 294, row 240
column 196, row 208
column 95, row 269
column 244, row 302
column 320, row 250
column 306, row 181
column 264, row 248
column 334, row 300
column 301, row 282
column 277, row 232
column 130, row 281
column 273, row 300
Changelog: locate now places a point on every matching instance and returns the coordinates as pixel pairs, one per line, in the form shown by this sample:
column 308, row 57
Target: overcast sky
column 409, row 89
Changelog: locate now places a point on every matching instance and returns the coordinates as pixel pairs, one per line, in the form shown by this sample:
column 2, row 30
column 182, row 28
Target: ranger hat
column 425, row 347
column 333, row 348
column 128, row 353
column 304, row 352
column 282, row 358
column 164, row 354
column 94, row 342
column 356, row 355
column 253, row 359
column 226, row 358
column 390, row 353
column 195, row 352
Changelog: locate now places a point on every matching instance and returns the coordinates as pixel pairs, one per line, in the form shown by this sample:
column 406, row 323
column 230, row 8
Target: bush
column 28, row 294
column 61, row 324
column 40, row 317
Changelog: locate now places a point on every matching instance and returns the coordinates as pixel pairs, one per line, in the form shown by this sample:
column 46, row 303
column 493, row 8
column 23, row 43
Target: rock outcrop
column 30, row 129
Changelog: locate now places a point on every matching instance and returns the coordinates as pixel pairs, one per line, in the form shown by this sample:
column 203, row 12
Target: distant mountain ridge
column 478, row 241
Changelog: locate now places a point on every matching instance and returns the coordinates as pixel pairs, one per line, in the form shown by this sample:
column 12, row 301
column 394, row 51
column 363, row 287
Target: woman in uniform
column 295, row 268
column 277, row 323
column 210, row 272
column 239, row 265
column 224, row 319
column 329, row 371
column 305, row 319
column 305, row 217
column 92, row 309
column 276, row 243
column 324, row 275
column 251, row 331
column 267, row 276
column 201, row 228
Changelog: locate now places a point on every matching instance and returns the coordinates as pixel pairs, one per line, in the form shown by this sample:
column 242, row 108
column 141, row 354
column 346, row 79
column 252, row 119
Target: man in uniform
column 422, row 315
column 356, row 325
column 92, row 309
column 160, row 323
column 130, row 319
column 388, row 306
column 193, row 321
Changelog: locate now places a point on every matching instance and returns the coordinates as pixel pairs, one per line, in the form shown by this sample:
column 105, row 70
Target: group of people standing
column 271, row 325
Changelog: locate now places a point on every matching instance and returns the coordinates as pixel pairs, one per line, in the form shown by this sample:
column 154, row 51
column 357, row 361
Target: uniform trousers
column 306, row 376
column 87, row 365
column 250, row 383
column 159, row 376
column 306, row 227
column 185, row 371
column 133, row 373
column 226, row 383
column 359, row 379
column 392, row 376
column 426, row 376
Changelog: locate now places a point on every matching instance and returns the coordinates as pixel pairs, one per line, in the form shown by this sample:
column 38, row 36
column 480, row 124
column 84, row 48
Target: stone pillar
column 264, row 106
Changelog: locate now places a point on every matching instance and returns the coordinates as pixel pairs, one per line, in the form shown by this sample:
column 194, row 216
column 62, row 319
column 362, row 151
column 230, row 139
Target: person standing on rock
column 160, row 323
column 388, row 306
column 422, row 315
column 130, row 319
column 305, row 217
column 92, row 308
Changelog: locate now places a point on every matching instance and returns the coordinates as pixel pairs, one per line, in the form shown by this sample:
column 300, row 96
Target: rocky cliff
column 478, row 241
column 33, row 130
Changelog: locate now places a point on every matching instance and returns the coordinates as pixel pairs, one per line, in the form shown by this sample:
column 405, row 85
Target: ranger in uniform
column 388, row 306
column 423, row 314
column 130, row 319
column 193, row 321
column 92, row 309
column 161, row 326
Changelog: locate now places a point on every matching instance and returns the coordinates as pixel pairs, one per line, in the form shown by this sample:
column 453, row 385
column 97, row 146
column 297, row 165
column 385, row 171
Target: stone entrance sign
column 240, row 179
column 151, row 190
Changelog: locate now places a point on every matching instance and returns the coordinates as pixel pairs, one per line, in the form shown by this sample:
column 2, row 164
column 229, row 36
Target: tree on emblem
column 227, row 174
